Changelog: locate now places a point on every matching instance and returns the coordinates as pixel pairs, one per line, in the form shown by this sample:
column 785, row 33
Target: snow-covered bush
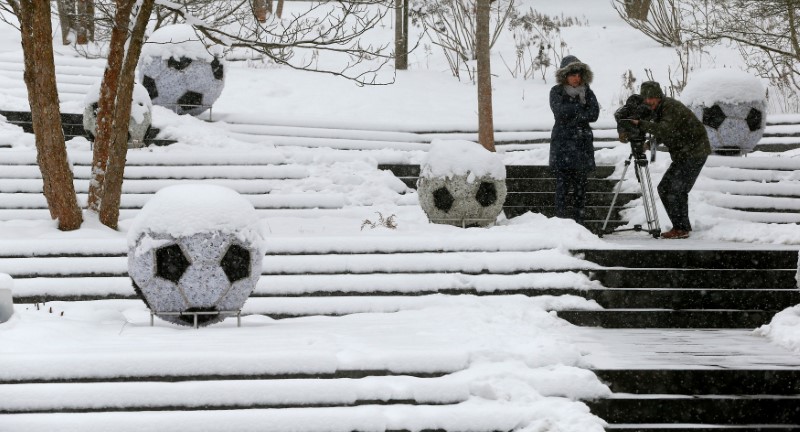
column 179, row 72
column 462, row 184
column 141, row 112
column 6, row 300
column 732, row 106
column 195, row 248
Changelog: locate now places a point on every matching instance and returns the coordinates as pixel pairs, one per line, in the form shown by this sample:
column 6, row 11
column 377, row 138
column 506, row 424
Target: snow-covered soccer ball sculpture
column 141, row 113
column 461, row 184
column 195, row 248
column 732, row 106
column 6, row 300
column 179, row 72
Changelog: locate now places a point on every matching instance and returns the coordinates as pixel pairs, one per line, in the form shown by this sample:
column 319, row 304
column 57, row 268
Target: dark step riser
column 222, row 406
column 676, row 298
column 512, row 171
column 678, row 278
column 671, row 428
column 548, row 199
column 707, row 259
column 549, row 185
column 536, row 185
column 590, row 213
column 703, row 381
column 707, row 411
column 706, row 319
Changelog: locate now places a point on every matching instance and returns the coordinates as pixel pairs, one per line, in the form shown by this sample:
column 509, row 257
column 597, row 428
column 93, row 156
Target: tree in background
column 76, row 16
column 660, row 20
column 40, row 80
column 401, row 34
column 766, row 32
column 452, row 26
column 114, row 109
column 483, row 54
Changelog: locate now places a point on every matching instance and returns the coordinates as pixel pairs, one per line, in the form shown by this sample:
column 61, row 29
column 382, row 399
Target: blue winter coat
column 572, row 141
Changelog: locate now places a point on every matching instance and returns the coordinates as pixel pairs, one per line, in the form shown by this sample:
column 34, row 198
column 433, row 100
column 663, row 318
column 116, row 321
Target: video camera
column 634, row 109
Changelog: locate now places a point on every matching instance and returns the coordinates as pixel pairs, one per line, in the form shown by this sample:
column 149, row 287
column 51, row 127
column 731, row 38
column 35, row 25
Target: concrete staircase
column 673, row 340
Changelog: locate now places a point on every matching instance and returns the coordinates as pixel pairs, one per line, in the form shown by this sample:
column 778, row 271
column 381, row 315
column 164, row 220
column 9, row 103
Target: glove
column 623, row 137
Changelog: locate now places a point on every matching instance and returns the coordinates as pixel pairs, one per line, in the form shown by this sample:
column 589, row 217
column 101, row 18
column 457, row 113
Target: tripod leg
column 616, row 194
column 648, row 199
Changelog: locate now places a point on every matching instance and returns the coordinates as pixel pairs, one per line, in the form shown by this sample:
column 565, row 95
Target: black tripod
column 642, row 170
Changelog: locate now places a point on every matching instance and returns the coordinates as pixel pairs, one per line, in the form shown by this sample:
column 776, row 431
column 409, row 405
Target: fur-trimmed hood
column 571, row 64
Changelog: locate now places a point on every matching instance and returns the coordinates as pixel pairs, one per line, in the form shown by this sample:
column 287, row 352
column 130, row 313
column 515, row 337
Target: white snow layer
column 710, row 86
column 184, row 210
column 178, row 40
column 448, row 158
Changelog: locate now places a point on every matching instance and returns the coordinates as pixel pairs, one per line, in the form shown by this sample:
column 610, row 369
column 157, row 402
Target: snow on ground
column 510, row 348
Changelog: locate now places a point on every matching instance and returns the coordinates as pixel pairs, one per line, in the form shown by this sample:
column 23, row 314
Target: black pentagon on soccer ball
column 171, row 264
column 443, row 199
column 753, row 119
column 190, row 100
column 150, row 85
column 236, row 263
column 486, row 195
column 713, row 117
column 181, row 64
column 217, row 69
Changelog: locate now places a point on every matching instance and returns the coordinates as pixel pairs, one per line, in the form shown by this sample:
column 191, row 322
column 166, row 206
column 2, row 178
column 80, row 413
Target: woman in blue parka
column 574, row 106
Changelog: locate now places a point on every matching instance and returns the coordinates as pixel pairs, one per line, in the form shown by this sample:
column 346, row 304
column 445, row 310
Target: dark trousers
column 674, row 190
column 571, row 194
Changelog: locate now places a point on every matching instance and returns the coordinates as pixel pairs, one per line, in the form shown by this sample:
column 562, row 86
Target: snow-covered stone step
column 753, row 203
column 747, row 174
column 232, row 394
column 134, row 186
column 624, row 349
column 299, row 212
column 148, row 158
column 786, row 188
column 472, row 416
column 474, row 263
column 44, row 287
column 756, row 163
column 252, row 172
column 136, row 201
column 320, row 244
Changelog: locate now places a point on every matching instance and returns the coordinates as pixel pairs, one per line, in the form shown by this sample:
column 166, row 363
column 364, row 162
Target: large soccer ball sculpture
column 179, row 72
column 732, row 106
column 141, row 113
column 195, row 248
column 461, row 184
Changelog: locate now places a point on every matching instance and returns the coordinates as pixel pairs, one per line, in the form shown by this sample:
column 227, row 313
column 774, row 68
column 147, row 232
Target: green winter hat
column 651, row 89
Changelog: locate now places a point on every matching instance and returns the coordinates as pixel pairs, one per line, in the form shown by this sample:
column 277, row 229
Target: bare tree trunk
column 279, row 9
column 65, row 16
column 112, row 191
column 40, row 80
column 107, row 104
column 82, row 21
column 400, row 54
column 482, row 50
column 260, row 10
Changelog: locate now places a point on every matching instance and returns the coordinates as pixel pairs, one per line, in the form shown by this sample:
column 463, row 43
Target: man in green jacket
column 674, row 125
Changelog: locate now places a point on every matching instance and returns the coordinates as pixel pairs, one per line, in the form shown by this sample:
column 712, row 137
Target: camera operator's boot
column 675, row 234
